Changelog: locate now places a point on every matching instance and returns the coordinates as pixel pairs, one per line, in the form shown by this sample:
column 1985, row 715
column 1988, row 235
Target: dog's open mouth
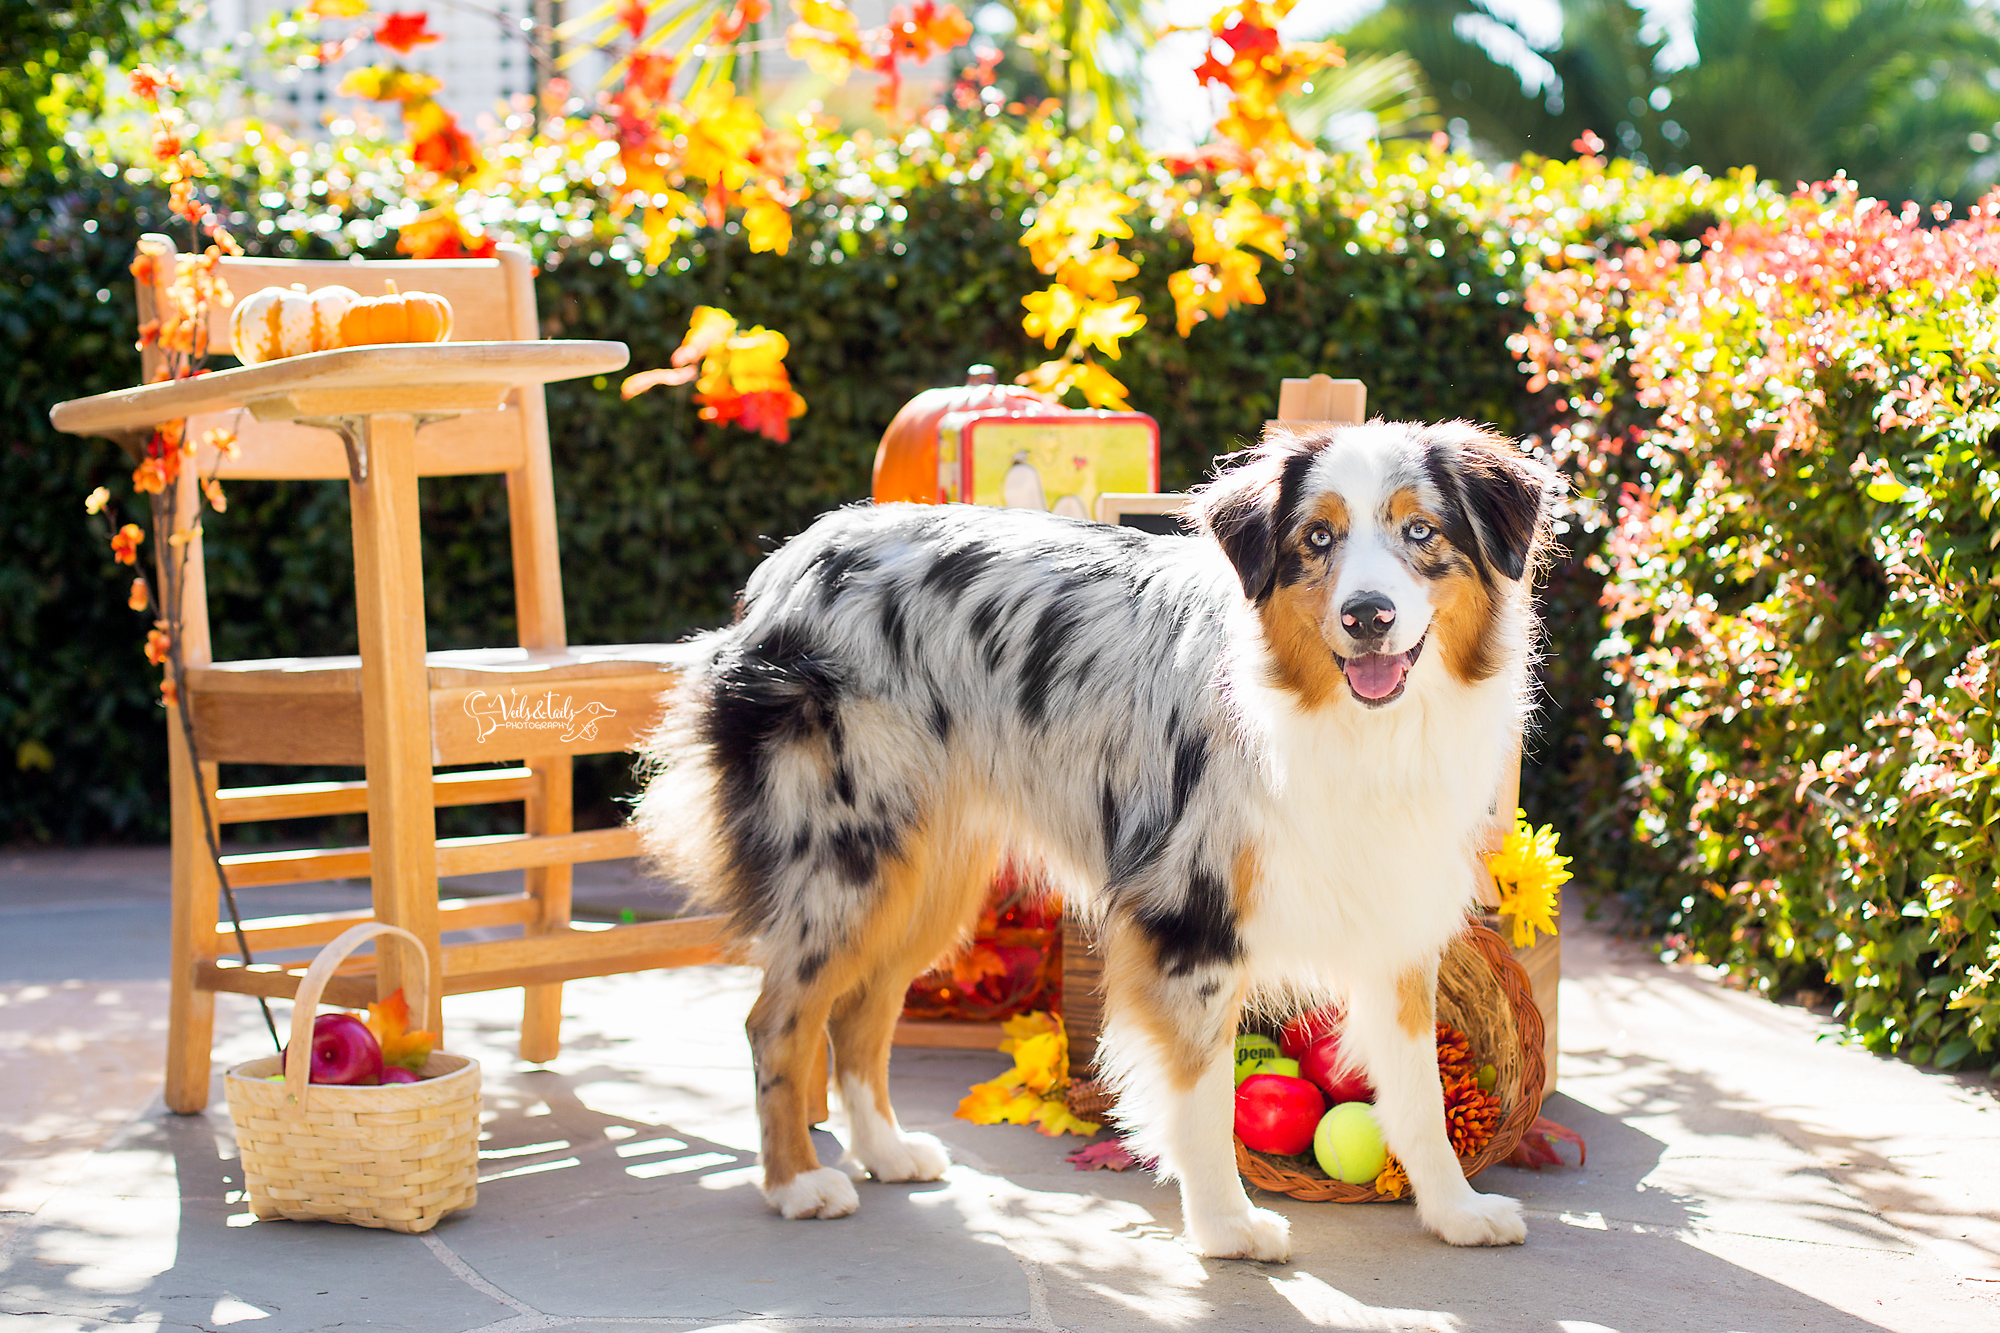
column 1376, row 678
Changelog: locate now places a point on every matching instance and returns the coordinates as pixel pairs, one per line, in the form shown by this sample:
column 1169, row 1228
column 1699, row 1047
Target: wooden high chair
column 380, row 418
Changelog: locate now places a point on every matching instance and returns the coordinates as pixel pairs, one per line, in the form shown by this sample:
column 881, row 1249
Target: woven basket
column 399, row 1156
column 1483, row 993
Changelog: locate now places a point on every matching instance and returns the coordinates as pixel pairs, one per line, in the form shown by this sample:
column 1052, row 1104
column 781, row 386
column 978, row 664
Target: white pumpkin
column 288, row 321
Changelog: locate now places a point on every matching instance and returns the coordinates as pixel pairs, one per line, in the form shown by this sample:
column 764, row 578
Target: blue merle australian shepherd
column 1257, row 759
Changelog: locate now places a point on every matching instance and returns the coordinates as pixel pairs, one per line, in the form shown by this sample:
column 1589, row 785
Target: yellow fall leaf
column 1051, row 313
column 1067, row 226
column 722, row 127
column 768, row 224
column 1099, row 387
column 1246, row 224
column 1096, row 275
column 1101, row 324
column 1023, row 1026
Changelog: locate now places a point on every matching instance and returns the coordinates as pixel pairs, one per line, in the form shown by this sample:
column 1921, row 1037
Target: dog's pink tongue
column 1376, row 675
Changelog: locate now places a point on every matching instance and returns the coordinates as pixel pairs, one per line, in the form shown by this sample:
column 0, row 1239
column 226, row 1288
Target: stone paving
column 1746, row 1173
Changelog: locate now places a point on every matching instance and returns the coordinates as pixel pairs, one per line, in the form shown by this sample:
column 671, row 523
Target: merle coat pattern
column 1233, row 752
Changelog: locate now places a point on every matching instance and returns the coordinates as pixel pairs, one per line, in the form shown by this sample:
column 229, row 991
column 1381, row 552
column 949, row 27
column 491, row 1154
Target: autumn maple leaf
column 389, row 1020
column 402, row 32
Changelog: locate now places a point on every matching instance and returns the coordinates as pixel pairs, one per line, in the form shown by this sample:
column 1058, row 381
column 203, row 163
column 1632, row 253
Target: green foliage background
column 1407, row 275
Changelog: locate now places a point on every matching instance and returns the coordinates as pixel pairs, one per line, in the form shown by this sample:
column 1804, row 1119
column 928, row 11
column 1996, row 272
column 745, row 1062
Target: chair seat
column 486, row 704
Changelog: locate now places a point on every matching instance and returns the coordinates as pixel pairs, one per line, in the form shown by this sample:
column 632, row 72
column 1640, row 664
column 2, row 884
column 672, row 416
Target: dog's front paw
column 905, row 1157
column 1255, row 1233
column 1477, row 1219
column 824, row 1192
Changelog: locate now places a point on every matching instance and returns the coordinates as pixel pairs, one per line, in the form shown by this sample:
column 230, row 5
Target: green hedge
column 1407, row 274
column 1795, row 432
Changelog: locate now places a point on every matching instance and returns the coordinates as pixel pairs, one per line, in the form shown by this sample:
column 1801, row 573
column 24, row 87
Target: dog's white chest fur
column 1369, row 829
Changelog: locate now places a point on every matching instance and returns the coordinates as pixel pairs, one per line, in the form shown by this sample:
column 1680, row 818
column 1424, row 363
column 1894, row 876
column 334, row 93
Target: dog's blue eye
column 1320, row 537
column 1421, row 532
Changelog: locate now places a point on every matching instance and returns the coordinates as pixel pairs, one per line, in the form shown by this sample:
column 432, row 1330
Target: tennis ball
column 1348, row 1144
column 1276, row 1064
column 1255, row 1046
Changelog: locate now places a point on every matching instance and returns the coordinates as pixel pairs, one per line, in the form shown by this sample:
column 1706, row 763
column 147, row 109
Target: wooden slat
column 536, row 961
column 280, row 728
column 455, row 856
column 308, row 930
column 943, row 1034
column 517, row 851
column 575, row 945
column 354, row 990
column 302, row 800
column 1082, row 995
column 249, row 870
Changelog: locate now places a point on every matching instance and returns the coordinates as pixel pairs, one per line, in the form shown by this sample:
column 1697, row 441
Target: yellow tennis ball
column 1348, row 1144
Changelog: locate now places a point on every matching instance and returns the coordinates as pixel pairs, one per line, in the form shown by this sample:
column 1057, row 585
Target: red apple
column 398, row 1074
column 1322, row 1064
column 1306, row 1029
column 1277, row 1114
column 345, row 1051
column 1314, row 1040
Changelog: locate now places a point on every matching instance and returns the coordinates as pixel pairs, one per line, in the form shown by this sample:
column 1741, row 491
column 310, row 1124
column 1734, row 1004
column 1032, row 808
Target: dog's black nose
column 1368, row 615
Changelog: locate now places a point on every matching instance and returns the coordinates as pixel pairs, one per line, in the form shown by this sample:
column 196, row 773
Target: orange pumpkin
column 397, row 317
column 906, row 463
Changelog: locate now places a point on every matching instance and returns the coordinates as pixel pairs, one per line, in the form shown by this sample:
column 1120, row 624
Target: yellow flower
column 1529, row 872
column 94, row 502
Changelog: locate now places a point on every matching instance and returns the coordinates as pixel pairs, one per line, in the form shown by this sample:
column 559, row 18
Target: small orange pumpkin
column 397, row 317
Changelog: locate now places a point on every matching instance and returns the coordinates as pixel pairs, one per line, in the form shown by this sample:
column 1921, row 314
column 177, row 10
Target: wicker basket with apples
column 353, row 1125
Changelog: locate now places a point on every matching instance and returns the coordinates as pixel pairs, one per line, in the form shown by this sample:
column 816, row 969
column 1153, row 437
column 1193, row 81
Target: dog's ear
column 1508, row 494
column 1240, row 510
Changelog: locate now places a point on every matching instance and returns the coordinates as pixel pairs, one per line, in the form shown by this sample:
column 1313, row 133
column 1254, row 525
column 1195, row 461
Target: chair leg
column 190, row 1010
column 549, row 811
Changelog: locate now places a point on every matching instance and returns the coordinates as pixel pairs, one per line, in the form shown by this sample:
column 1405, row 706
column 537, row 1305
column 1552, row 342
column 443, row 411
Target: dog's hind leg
column 1391, row 1020
column 930, row 899
column 1169, row 1044
column 787, row 1030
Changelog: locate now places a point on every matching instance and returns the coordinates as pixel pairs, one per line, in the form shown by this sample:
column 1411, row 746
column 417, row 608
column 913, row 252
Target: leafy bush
column 907, row 267
column 1794, row 431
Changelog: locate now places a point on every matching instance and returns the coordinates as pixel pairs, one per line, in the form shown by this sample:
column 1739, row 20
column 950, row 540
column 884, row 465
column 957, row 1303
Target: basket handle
column 305, row 1005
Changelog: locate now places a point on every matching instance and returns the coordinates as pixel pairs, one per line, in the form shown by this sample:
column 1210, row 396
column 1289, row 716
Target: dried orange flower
column 125, row 543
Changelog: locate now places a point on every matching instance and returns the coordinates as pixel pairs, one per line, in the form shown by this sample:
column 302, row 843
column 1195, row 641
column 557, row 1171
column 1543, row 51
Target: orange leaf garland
column 389, row 1020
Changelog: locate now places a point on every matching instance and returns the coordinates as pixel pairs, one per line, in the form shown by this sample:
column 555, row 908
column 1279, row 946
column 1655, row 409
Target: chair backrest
column 492, row 300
